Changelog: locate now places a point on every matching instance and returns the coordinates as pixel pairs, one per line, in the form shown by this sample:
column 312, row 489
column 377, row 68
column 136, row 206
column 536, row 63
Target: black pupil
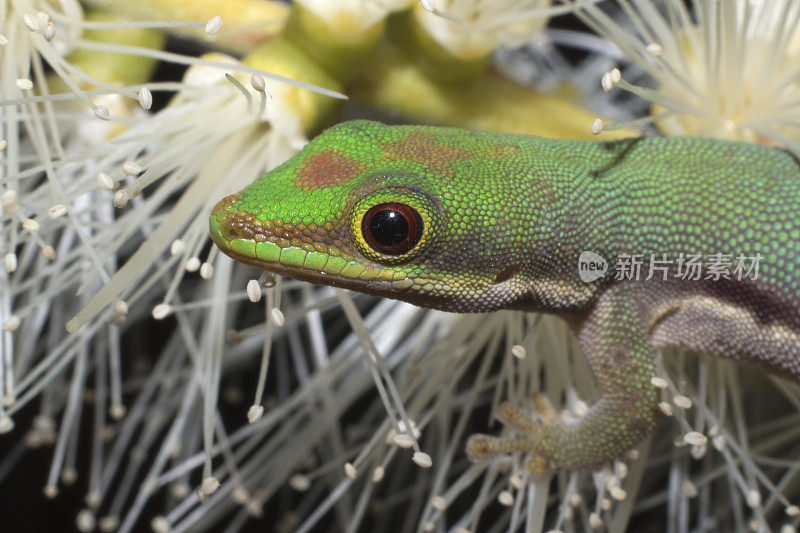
column 389, row 227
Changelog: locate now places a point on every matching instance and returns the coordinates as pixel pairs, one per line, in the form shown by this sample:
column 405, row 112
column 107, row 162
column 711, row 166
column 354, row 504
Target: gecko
column 638, row 244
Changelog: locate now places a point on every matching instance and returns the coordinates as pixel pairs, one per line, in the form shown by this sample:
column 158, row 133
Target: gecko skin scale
column 468, row 221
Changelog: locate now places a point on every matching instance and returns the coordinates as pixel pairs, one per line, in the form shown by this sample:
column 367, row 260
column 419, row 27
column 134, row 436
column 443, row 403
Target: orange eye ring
column 392, row 228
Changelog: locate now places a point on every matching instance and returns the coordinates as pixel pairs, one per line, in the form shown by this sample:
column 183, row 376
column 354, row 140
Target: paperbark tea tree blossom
column 720, row 69
column 320, row 451
column 62, row 179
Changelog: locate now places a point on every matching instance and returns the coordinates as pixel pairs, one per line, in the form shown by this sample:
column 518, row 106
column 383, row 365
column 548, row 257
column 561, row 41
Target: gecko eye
column 391, row 228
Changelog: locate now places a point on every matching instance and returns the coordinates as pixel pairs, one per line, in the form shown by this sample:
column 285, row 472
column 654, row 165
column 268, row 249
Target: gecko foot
column 533, row 433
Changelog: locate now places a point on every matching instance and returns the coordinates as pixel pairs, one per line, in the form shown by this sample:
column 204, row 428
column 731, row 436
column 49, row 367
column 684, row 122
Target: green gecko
column 468, row 221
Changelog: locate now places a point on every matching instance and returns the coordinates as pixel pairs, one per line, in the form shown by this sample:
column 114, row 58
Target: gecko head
column 381, row 210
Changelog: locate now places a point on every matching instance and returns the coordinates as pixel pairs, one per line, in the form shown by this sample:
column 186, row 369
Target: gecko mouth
column 311, row 276
column 244, row 250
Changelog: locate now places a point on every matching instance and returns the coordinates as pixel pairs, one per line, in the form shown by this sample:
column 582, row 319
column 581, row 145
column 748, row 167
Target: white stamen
column 518, row 351
column 108, row 524
column 105, row 181
column 258, row 83
column 665, row 408
column 240, row 495
column 207, row 488
column 792, row 510
column 30, row 225
column 159, row 524
column 30, row 22
column 214, row 25
column 145, row 98
column 698, row 452
column 377, row 474
column 130, row 168
column 161, row 311
column 49, row 252
column 254, row 508
column 10, row 262
column 682, row 401
column 654, row 49
column 277, row 318
column 93, row 499
column 597, row 126
column 299, row 482
column 253, row 291
column 101, row 112
column 57, row 210
column 42, row 19
column 177, row 247
column 9, row 200
column 695, row 438
column 438, row 503
column 121, row 199
column 12, row 323
column 505, row 498
column 422, row 459
column 254, row 413
column 610, row 79
column 206, row 270
column 266, row 280
column 193, row 264
column 85, row 521
column 49, row 31
column 753, row 499
column 6, row 423
column 3, row 144
column 24, row 84
column 69, row 475
column 117, row 411
column 350, row 470
column 688, row 489
column 402, row 441
column 659, row 383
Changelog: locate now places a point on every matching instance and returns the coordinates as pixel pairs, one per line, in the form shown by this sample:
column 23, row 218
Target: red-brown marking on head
column 503, row 151
column 327, row 168
column 420, row 147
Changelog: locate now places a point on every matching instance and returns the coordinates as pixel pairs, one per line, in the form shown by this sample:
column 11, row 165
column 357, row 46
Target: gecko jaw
column 378, row 287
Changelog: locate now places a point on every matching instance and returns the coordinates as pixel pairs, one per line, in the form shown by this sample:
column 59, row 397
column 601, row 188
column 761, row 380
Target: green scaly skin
column 504, row 219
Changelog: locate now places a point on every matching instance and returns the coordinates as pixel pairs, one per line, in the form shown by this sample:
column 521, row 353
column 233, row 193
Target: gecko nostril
column 225, row 203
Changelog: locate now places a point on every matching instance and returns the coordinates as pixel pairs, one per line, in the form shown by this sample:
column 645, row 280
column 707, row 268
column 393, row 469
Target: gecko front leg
column 614, row 339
